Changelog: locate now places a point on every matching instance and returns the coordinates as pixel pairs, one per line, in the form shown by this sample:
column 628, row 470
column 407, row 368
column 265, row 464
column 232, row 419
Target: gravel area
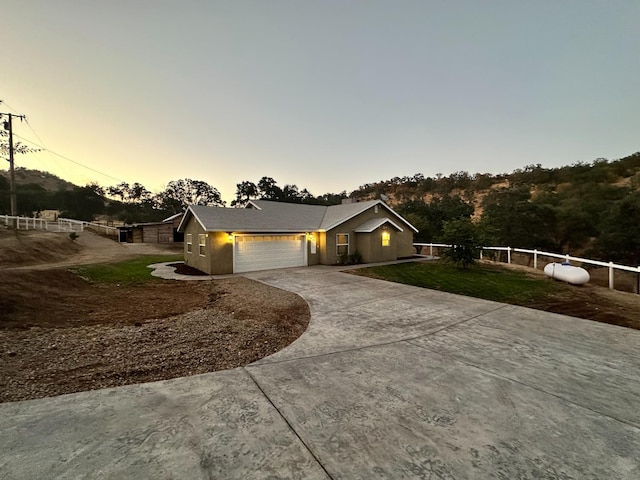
column 116, row 336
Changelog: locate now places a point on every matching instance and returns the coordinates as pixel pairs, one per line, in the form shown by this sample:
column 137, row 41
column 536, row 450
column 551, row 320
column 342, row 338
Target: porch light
column 310, row 237
column 230, row 237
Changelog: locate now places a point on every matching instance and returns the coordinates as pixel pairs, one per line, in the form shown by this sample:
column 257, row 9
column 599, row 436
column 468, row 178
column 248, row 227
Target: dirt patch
column 590, row 301
column 29, row 247
column 76, row 336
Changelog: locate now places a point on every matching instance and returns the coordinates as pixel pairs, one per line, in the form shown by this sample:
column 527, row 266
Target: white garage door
column 262, row 252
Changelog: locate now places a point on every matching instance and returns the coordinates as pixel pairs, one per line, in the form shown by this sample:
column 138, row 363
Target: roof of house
column 370, row 225
column 173, row 217
column 268, row 216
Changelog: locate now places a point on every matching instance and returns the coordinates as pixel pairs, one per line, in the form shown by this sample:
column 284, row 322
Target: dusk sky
column 324, row 94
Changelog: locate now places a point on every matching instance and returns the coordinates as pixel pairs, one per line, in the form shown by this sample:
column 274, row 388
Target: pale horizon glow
column 326, row 95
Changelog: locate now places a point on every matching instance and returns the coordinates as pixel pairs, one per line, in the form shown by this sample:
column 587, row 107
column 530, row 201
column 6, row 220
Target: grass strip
column 132, row 271
column 490, row 282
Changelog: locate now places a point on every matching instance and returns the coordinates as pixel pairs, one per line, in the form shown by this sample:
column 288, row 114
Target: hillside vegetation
column 586, row 208
column 589, row 208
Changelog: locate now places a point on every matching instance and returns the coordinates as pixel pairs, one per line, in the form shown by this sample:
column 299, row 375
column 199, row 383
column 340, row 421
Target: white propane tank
column 567, row 273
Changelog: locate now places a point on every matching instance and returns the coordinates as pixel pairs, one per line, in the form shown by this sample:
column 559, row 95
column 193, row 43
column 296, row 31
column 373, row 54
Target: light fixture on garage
column 230, row 237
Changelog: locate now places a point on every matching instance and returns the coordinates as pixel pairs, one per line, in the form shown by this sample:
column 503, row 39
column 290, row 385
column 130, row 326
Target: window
column 342, row 244
column 202, row 243
column 189, row 242
column 386, row 238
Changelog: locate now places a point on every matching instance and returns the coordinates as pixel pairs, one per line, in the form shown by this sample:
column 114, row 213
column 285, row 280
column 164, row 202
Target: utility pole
column 8, row 125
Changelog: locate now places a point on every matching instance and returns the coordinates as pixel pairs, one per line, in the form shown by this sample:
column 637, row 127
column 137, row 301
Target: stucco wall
column 218, row 257
column 370, row 243
column 194, row 259
column 220, row 251
column 313, row 259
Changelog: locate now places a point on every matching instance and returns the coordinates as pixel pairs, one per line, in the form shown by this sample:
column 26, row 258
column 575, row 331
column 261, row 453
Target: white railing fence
column 610, row 266
column 60, row 225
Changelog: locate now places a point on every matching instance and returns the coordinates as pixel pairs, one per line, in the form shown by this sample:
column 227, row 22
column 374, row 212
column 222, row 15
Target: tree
column 179, row 194
column 136, row 193
column 245, row 191
column 18, row 147
column 516, row 221
column 463, row 236
column 621, row 239
column 429, row 218
column 269, row 190
column 81, row 203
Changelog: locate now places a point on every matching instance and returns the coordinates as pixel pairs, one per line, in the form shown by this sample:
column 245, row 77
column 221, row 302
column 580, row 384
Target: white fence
column 538, row 253
column 60, row 225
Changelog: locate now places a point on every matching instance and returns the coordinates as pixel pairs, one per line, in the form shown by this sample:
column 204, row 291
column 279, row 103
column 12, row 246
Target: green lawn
column 491, row 282
column 127, row 272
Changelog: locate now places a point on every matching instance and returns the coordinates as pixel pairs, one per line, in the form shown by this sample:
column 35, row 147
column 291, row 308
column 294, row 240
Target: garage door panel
column 262, row 252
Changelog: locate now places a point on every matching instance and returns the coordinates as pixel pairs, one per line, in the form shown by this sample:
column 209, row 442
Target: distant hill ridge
column 624, row 172
column 47, row 181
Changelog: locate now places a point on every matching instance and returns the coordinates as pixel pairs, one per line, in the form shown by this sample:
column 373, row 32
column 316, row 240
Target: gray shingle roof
column 370, row 225
column 267, row 216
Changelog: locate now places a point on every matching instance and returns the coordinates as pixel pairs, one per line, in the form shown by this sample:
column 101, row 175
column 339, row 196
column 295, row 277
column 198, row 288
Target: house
column 267, row 235
column 165, row 231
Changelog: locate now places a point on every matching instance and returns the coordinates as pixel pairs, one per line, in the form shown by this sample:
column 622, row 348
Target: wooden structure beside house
column 165, row 231
column 267, row 235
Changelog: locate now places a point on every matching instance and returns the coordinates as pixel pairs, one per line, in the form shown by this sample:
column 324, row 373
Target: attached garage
column 263, row 252
column 267, row 235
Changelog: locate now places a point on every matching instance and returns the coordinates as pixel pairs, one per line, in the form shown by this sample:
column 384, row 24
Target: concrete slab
column 389, row 381
column 399, row 411
column 555, row 360
column 202, row 427
column 366, row 316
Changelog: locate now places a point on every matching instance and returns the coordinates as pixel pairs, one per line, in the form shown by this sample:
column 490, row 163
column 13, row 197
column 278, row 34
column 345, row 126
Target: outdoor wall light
column 230, row 237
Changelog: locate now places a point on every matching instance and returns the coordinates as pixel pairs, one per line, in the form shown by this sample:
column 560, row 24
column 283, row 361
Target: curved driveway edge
column 389, row 381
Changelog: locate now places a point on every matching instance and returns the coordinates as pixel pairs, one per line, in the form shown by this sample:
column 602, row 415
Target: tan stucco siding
column 371, row 248
column 313, row 259
column 369, row 245
column 220, row 249
column 193, row 258
column 404, row 243
column 322, row 248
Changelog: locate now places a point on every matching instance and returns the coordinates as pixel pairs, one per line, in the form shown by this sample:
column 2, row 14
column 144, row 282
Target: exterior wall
column 220, row 252
column 313, row 259
column 162, row 233
column 369, row 245
column 322, row 246
column 404, row 243
column 218, row 258
column 136, row 235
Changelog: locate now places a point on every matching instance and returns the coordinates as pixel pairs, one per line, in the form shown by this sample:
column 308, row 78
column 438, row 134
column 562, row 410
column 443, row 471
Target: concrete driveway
column 388, row 382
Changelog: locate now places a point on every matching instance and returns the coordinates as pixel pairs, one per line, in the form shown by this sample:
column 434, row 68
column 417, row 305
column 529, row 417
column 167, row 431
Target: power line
column 67, row 158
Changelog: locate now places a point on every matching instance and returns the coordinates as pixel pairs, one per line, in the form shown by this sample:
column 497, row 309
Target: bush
column 463, row 234
column 73, row 235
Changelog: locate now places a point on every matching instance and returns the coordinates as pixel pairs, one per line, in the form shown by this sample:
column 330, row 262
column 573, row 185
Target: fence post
column 535, row 259
column 611, row 275
column 431, row 249
column 480, row 254
column 566, row 258
column 508, row 254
